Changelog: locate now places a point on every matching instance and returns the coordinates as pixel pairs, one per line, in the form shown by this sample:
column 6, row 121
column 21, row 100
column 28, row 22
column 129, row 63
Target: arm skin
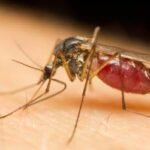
column 48, row 125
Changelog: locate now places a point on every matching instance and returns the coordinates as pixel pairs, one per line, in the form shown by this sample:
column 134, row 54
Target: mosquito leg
column 121, row 76
column 86, row 82
column 46, row 90
column 122, row 83
column 52, row 72
column 49, row 82
column 58, row 53
column 36, row 92
column 82, row 77
column 61, row 55
column 94, row 73
column 81, row 104
column 34, row 100
column 70, row 75
column 48, row 62
column 64, row 62
column 21, row 107
column 38, row 101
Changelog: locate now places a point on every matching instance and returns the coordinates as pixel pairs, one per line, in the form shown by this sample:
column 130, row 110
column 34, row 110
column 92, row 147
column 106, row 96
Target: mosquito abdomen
column 133, row 76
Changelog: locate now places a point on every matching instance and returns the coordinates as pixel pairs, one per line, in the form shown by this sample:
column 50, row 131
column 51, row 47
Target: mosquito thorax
column 47, row 71
column 70, row 44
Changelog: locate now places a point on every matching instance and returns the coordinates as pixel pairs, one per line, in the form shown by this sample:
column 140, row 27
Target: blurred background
column 131, row 19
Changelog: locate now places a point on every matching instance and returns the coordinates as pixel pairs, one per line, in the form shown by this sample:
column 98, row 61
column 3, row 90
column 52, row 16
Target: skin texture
column 48, row 125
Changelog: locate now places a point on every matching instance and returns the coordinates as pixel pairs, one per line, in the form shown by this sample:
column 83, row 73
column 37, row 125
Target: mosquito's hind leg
column 122, row 83
column 94, row 73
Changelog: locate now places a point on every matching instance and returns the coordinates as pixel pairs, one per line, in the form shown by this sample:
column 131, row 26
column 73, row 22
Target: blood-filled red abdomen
column 136, row 77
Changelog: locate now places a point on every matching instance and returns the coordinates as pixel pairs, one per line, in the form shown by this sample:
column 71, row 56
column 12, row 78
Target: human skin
column 48, row 125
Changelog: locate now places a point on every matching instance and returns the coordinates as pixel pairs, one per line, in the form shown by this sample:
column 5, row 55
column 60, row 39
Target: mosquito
column 84, row 58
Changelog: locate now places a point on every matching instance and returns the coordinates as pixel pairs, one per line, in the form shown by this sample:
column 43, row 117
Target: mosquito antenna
column 20, row 89
column 38, row 101
column 23, row 51
column 19, row 62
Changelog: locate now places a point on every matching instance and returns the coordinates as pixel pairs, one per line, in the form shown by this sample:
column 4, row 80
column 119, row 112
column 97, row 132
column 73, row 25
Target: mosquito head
column 70, row 44
column 47, row 71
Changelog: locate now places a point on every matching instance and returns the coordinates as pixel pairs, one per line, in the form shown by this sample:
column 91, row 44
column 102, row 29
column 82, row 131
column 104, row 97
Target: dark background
column 132, row 18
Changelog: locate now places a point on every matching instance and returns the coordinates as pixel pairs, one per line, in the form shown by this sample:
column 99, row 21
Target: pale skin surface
column 48, row 125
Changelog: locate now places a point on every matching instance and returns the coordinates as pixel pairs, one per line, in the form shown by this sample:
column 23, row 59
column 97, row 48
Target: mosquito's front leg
column 23, row 106
column 88, row 62
column 37, row 99
column 60, row 54
column 92, row 51
column 70, row 75
column 34, row 98
column 34, row 95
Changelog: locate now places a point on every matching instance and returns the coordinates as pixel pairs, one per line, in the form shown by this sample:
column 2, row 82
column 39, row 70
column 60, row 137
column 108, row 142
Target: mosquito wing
column 138, row 56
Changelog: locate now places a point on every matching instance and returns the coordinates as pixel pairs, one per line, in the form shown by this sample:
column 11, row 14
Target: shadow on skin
column 68, row 103
column 110, row 105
